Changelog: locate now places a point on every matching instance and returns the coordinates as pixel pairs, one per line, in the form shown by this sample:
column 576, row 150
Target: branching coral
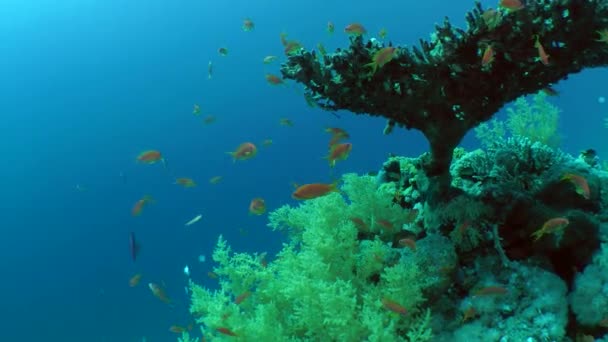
column 441, row 88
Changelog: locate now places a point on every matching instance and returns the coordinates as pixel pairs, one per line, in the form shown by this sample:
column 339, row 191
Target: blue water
column 87, row 85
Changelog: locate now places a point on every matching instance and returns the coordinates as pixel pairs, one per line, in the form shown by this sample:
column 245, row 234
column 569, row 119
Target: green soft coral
column 536, row 120
column 325, row 284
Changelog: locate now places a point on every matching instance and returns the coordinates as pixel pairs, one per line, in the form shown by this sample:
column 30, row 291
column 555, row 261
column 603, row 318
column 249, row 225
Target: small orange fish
column 257, row 206
column 394, row 306
column 273, row 79
column 244, row 151
column 355, row 29
column 215, row 180
column 150, row 157
column 292, row 47
column 490, row 291
column 492, row 18
column 269, row 59
column 226, row 331
column 580, row 184
column 139, row 205
column 381, row 57
column 554, row 225
column 542, row 55
column 385, row 224
column 248, row 25
column 185, row 182
column 359, row 224
column 314, row 190
column 511, row 5
column 178, row 329
column 212, row 275
column 339, row 152
column 134, row 281
column 488, row 56
column 159, row 292
column 410, row 243
column 239, row 299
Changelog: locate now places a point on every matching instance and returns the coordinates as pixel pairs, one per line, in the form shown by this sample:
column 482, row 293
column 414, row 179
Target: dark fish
column 133, row 246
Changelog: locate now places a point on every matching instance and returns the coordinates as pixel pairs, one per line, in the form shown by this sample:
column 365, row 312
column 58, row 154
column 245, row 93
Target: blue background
column 87, row 85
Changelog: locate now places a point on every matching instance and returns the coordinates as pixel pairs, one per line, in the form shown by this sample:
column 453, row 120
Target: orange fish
column 386, row 224
column 139, row 205
column 359, row 224
column 244, row 151
column 150, row 157
column 580, row 184
column 215, row 180
column 238, row 300
column 355, row 29
column 542, row 55
column 185, row 182
column 226, row 331
column 511, row 5
column 257, row 206
column 292, row 47
column 488, row 56
column 394, row 306
column 248, row 25
column 381, row 57
column 134, row 281
column 314, row 190
column 410, row 243
column 212, row 275
column 178, row 329
column 273, row 79
column 339, row 152
column 159, row 292
column 554, row 225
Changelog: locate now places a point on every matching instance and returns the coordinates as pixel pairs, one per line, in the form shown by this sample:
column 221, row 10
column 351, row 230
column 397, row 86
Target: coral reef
column 442, row 88
column 376, row 263
column 394, row 257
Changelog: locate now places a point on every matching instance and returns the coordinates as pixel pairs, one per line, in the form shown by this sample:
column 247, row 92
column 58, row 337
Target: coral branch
column 441, row 87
